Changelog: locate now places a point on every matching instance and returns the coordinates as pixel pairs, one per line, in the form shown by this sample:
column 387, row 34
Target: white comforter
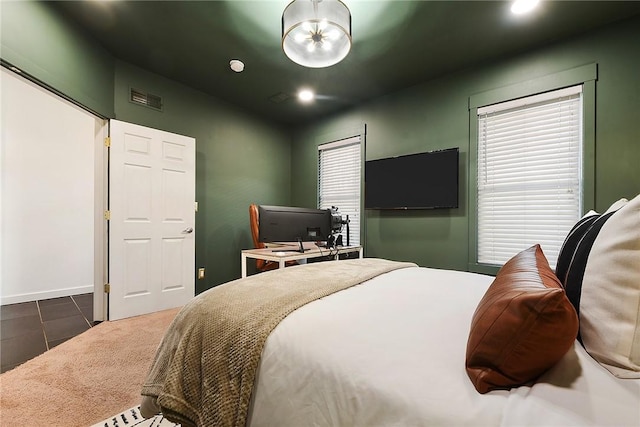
column 392, row 353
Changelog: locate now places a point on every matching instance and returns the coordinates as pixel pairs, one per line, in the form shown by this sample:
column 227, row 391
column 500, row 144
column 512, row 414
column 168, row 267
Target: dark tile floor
column 31, row 328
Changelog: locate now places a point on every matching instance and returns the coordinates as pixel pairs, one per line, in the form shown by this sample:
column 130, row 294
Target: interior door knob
column 188, row 230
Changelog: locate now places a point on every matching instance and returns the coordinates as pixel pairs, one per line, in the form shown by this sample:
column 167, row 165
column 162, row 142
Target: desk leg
column 281, row 263
column 360, row 252
column 243, row 260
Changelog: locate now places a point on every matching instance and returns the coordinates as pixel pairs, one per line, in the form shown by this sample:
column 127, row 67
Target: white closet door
column 151, row 230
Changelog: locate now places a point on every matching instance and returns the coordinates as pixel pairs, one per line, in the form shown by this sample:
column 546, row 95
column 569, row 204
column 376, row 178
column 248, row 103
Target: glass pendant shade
column 316, row 33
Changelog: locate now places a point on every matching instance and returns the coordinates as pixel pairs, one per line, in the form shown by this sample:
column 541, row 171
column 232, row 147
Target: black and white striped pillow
column 602, row 281
column 571, row 243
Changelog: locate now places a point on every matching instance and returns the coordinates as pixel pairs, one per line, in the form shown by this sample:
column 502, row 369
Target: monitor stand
column 302, row 249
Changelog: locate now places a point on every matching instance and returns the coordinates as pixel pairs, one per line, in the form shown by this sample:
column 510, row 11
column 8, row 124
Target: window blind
column 529, row 174
column 339, row 171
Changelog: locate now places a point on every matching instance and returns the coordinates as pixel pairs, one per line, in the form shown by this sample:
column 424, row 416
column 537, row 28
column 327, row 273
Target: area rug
column 132, row 418
column 86, row 379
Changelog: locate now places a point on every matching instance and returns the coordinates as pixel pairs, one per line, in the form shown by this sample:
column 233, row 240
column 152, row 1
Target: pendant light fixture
column 316, row 33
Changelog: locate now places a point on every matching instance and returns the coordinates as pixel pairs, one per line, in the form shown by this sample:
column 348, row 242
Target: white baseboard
column 54, row 293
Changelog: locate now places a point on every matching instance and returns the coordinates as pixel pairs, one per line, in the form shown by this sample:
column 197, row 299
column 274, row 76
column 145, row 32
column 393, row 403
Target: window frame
column 586, row 76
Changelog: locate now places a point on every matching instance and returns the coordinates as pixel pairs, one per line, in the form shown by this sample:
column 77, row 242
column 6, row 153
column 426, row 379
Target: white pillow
column 603, row 282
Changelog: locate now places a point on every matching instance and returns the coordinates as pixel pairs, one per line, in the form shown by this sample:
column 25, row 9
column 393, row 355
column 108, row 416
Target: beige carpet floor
column 85, row 379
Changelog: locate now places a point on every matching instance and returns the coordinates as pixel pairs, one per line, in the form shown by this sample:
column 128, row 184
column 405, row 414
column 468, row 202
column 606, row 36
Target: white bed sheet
column 577, row 391
column 392, row 353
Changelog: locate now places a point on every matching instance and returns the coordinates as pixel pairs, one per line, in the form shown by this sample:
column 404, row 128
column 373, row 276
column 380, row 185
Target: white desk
column 290, row 253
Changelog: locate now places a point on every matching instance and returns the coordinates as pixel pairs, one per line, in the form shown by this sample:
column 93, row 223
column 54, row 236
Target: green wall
column 37, row 40
column 435, row 115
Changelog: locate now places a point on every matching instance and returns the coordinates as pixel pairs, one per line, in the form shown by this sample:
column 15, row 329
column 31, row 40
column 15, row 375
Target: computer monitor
column 291, row 224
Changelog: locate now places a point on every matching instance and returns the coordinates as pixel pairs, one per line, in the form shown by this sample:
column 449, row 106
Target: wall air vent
column 279, row 98
column 147, row 99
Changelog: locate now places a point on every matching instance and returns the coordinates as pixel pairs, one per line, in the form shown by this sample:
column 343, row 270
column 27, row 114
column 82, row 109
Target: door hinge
column 107, row 215
column 107, row 142
column 107, row 288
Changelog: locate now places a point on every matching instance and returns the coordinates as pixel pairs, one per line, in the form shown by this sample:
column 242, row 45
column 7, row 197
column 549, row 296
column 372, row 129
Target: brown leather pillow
column 522, row 326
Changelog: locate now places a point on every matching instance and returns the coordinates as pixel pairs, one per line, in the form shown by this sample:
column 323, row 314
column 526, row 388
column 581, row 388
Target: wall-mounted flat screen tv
column 415, row 181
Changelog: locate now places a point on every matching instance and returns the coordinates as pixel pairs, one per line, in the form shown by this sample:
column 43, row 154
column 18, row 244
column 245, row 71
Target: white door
column 152, row 220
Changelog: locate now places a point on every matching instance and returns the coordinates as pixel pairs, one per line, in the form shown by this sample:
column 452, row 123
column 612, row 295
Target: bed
column 381, row 343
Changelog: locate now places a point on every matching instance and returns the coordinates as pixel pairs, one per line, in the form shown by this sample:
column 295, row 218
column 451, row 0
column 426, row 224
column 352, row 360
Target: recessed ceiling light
column 523, row 6
column 306, row 95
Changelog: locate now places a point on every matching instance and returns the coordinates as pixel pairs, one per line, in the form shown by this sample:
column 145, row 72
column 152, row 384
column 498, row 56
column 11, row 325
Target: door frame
column 100, row 159
column 101, row 198
column 101, row 236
